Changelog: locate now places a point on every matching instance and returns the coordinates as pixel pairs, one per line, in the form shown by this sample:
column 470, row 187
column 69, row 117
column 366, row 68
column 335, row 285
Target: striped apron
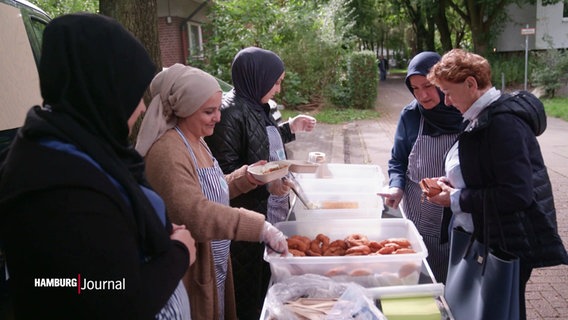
column 215, row 188
column 278, row 206
column 426, row 160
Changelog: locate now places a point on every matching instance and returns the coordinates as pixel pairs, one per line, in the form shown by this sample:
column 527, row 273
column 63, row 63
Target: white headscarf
column 177, row 92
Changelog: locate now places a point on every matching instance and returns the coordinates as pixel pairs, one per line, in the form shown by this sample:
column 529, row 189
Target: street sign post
column 527, row 32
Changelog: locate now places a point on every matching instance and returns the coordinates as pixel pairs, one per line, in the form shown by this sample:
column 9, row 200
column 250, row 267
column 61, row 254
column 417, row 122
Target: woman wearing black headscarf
column 246, row 134
column 84, row 235
column 426, row 130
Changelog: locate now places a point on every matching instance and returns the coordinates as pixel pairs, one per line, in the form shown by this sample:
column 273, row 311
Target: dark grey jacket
column 500, row 159
column 240, row 138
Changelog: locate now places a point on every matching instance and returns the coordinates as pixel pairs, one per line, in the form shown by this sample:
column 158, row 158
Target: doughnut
column 334, row 251
column 338, row 243
column 297, row 253
column 311, row 253
column 392, row 245
column 404, row 251
column 386, row 250
column 296, row 244
column 335, row 271
column 356, row 239
column 374, row 246
column 324, row 241
column 304, row 239
column 361, row 250
column 402, row 242
column 361, row 272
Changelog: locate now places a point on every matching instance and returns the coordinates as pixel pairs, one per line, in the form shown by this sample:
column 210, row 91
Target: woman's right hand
column 181, row 234
column 278, row 187
column 392, row 197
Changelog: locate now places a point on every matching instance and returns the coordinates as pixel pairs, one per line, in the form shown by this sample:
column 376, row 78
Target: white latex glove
column 392, row 197
column 278, row 187
column 274, row 239
column 302, row 123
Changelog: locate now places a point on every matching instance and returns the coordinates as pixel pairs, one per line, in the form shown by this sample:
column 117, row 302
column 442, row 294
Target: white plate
column 260, row 173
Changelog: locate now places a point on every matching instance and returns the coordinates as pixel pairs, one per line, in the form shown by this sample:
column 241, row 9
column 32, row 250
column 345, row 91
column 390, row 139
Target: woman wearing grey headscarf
column 185, row 108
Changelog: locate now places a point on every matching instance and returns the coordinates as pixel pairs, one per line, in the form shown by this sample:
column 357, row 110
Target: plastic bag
column 351, row 300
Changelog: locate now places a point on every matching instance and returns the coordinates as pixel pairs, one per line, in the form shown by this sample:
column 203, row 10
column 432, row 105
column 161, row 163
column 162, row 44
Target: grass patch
column 335, row 116
column 556, row 107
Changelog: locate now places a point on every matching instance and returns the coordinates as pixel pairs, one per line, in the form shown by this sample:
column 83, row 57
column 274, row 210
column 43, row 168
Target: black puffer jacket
column 240, row 138
column 500, row 159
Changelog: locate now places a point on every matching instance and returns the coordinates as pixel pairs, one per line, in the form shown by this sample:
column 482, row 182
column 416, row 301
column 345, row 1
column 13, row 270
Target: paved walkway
column 370, row 142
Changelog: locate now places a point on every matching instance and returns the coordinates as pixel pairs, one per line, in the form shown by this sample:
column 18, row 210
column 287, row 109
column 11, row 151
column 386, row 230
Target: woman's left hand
column 442, row 198
column 302, row 123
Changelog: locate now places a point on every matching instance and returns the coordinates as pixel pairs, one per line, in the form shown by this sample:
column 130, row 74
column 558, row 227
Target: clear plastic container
column 368, row 271
column 338, row 186
column 340, row 206
column 350, row 171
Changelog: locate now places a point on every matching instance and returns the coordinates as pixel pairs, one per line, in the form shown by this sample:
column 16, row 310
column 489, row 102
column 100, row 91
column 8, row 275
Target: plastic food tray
column 340, row 186
column 350, row 171
column 368, row 271
column 365, row 206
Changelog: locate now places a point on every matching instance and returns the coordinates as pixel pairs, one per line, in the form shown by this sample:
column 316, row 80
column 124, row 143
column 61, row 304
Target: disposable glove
column 274, row 239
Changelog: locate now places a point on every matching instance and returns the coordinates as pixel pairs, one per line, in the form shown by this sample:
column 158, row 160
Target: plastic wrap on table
column 350, row 299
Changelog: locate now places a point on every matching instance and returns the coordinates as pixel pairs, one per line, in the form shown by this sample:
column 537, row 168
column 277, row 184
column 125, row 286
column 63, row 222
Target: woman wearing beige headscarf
column 185, row 107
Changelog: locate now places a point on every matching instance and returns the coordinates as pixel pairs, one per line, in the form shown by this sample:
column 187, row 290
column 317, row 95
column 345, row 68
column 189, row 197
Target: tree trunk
column 443, row 26
column 141, row 18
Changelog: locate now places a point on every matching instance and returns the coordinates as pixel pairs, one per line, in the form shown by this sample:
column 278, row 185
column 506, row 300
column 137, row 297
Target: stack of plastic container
column 341, row 191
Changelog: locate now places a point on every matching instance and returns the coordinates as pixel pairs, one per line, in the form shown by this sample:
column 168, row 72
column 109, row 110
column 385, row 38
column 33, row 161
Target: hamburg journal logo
column 81, row 284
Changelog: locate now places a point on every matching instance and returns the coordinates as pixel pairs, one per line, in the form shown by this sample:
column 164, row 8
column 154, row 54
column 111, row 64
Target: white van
column 21, row 31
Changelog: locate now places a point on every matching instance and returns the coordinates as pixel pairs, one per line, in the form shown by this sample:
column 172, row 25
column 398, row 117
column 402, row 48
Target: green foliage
column 510, row 66
column 556, row 107
column 549, row 71
column 363, row 79
column 56, row 8
column 308, row 37
column 336, row 116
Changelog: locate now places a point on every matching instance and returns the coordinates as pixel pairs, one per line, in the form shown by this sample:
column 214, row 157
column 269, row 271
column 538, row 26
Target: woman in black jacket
column 246, row 134
column 501, row 163
column 84, row 235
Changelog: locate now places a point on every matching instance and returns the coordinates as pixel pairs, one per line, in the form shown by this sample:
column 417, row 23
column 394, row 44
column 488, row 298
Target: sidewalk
column 370, row 142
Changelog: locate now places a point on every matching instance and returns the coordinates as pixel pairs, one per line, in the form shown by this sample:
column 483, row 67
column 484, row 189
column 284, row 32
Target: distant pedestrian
column 383, row 67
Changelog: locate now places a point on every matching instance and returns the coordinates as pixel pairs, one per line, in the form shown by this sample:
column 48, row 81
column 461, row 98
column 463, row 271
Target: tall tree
column 141, row 18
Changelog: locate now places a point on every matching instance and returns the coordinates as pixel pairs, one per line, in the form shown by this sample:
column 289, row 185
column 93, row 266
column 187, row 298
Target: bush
column 549, row 70
column 363, row 78
column 510, row 66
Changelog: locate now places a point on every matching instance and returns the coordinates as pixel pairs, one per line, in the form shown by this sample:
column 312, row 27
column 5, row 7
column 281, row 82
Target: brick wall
column 171, row 41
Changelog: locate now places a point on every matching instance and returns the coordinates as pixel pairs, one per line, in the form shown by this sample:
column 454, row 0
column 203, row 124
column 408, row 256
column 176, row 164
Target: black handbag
column 482, row 282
